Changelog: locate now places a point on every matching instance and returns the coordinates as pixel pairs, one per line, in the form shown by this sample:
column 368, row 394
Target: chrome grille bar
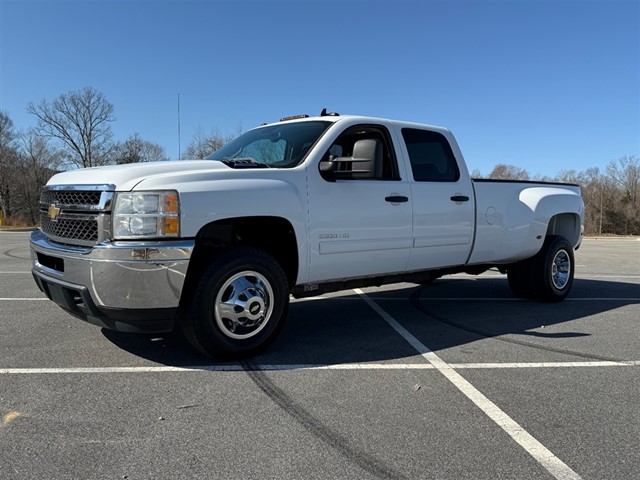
column 76, row 214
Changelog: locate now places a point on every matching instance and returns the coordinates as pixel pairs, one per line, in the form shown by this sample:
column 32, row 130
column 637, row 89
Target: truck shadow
column 452, row 312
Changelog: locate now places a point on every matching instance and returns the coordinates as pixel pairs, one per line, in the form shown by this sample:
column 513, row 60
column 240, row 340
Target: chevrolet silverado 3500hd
column 300, row 207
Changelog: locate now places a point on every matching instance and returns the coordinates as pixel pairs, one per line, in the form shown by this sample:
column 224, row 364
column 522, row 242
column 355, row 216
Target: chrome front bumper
column 123, row 286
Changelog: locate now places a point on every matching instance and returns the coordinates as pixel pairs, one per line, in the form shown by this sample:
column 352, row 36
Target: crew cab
column 216, row 247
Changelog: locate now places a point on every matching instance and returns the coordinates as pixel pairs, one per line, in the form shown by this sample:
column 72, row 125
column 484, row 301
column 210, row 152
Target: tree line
column 71, row 131
column 74, row 131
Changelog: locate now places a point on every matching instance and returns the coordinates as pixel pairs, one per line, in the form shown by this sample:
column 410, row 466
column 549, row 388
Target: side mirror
column 328, row 168
column 329, row 165
column 366, row 162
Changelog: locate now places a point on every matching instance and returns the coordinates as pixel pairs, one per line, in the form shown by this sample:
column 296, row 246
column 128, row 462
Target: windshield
column 278, row 146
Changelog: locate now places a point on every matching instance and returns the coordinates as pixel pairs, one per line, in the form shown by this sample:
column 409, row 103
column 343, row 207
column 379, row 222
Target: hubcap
column 560, row 269
column 243, row 305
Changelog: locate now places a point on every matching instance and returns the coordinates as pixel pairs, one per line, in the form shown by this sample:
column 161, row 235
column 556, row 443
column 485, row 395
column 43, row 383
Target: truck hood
column 126, row 177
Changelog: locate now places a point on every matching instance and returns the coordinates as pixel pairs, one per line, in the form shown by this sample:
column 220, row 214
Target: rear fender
column 555, row 212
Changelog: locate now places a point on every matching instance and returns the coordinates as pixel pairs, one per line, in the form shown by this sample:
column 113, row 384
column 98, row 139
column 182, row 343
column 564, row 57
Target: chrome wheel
column 561, row 269
column 548, row 275
column 244, row 304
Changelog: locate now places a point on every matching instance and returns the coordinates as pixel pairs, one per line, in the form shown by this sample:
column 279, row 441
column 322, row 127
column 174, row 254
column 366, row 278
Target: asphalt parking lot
column 449, row 381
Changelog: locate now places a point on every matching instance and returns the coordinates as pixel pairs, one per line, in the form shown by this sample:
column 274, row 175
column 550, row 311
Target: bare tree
column 81, row 122
column 8, row 165
column 38, row 162
column 595, row 191
column 508, row 172
column 7, row 133
column 202, row 145
column 135, row 150
column 625, row 174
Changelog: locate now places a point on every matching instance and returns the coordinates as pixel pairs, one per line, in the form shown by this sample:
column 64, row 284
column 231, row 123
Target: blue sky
column 544, row 85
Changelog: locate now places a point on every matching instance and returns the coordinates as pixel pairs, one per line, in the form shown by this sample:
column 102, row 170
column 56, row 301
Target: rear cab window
column 430, row 155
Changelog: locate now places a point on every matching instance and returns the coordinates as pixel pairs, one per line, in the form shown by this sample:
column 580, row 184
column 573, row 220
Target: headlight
column 146, row 214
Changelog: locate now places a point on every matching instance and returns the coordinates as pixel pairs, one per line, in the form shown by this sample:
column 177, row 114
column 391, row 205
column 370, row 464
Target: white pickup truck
column 300, row 207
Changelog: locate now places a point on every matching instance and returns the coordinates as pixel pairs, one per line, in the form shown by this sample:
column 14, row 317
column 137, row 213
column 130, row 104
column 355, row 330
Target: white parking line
column 537, row 450
column 343, row 366
column 25, row 299
column 596, row 276
column 477, row 299
column 398, row 299
column 210, row 368
column 458, row 366
column 498, row 299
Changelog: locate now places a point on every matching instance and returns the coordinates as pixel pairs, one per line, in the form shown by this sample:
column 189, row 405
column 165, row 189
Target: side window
column 350, row 149
column 430, row 155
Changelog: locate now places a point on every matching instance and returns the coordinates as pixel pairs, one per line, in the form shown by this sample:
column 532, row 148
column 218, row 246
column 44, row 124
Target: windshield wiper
column 244, row 163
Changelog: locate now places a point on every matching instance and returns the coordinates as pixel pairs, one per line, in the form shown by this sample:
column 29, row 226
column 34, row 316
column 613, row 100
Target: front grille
column 66, row 197
column 76, row 215
column 70, row 228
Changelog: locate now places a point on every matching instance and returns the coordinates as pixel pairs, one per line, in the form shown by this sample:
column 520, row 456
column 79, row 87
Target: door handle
column 459, row 198
column 396, row 199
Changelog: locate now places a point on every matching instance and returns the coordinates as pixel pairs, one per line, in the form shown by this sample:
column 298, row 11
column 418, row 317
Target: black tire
column 240, row 305
column 552, row 269
column 548, row 275
column 519, row 278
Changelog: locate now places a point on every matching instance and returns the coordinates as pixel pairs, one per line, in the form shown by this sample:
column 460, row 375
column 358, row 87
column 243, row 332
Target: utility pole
column 179, row 152
column 600, row 228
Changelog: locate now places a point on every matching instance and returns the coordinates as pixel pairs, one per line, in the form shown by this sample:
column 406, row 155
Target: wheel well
column 273, row 235
column 566, row 225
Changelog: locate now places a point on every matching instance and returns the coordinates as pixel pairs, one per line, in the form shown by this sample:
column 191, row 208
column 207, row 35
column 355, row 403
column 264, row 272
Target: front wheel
column 239, row 306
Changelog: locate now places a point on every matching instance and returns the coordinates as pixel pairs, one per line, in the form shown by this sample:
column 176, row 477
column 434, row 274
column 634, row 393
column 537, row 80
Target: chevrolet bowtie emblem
column 53, row 211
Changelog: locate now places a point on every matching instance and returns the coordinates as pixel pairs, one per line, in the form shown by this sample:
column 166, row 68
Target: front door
column 359, row 224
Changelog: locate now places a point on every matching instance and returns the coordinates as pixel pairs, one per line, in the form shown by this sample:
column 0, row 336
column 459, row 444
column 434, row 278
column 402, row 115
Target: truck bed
column 511, row 215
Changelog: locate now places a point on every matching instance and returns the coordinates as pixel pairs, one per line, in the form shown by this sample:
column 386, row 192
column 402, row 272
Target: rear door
column 443, row 200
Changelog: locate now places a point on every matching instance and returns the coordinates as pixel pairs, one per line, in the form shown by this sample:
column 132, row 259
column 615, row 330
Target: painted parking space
column 448, row 391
